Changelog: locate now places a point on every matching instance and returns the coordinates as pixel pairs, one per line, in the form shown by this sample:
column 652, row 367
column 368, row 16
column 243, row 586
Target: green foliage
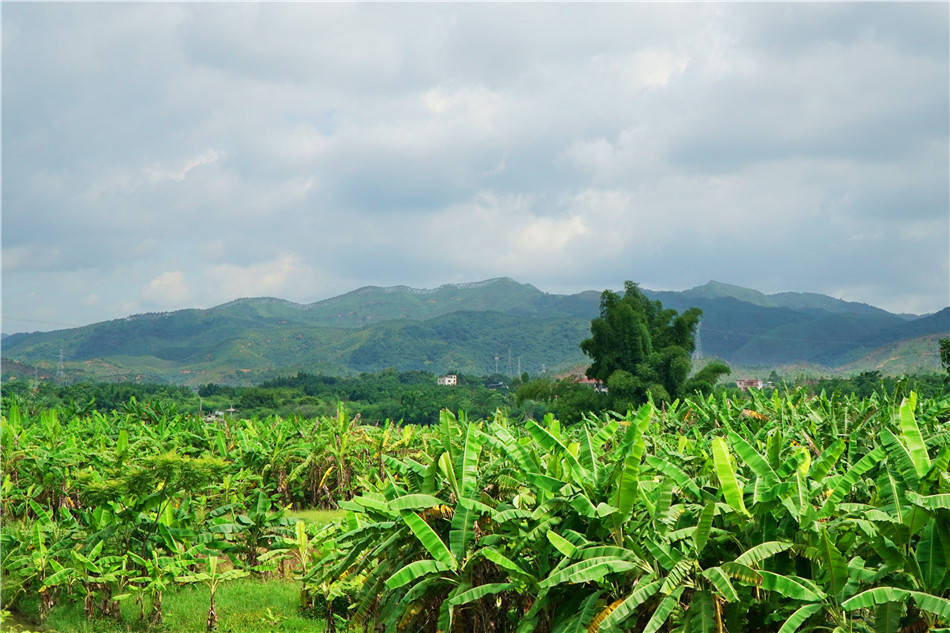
column 643, row 351
column 760, row 512
column 661, row 520
column 566, row 399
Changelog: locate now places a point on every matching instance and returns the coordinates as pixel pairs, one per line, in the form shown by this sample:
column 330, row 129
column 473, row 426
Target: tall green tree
column 641, row 349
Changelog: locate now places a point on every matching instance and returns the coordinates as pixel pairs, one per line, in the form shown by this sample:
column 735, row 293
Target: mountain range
column 497, row 325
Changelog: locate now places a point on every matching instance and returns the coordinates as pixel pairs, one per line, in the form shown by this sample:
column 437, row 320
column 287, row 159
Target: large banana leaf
column 832, row 563
column 720, row 580
column 551, row 443
column 882, row 595
column 900, row 458
column 742, row 573
column 684, row 481
column 429, row 539
column 847, row 481
column 751, row 457
column 932, row 556
column 760, row 552
column 731, row 489
column 473, row 447
column 414, row 502
column 506, row 442
column 476, row 593
column 701, row 615
column 828, row 458
column 887, row 617
column 588, row 454
column 414, row 571
column 789, row 587
column 504, row 562
column 461, row 532
column 587, row 570
column 628, row 482
column 798, row 618
column 910, row 433
column 561, row 544
column 703, row 526
column 930, row 502
column 642, row 592
column 663, row 611
column 676, row 575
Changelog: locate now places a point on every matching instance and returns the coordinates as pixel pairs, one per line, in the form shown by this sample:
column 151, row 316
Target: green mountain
column 474, row 328
column 793, row 300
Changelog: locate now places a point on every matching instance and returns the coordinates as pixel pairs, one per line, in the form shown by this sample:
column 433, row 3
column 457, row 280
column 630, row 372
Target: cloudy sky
column 158, row 156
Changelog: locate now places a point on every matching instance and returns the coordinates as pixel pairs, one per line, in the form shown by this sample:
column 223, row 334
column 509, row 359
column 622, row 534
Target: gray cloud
column 162, row 156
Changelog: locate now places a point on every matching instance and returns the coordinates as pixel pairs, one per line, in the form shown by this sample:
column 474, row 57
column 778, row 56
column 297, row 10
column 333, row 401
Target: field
column 785, row 512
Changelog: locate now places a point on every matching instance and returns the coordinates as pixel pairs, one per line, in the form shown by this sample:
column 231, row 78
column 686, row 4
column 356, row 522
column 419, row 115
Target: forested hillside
column 496, row 325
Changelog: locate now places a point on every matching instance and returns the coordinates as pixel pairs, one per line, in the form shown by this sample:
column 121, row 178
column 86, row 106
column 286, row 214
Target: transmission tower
column 61, row 373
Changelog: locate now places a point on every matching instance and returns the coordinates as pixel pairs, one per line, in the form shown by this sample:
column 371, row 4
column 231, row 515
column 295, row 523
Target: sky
column 162, row 156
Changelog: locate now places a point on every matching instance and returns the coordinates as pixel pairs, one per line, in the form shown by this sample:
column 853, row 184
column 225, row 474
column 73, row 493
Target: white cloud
column 285, row 276
column 168, row 290
column 300, row 150
column 157, row 174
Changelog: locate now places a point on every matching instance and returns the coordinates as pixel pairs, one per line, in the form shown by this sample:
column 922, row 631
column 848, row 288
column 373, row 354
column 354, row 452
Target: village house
column 751, row 383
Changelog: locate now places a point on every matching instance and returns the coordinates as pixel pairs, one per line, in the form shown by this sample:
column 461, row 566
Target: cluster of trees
column 868, row 382
column 104, row 397
column 642, row 351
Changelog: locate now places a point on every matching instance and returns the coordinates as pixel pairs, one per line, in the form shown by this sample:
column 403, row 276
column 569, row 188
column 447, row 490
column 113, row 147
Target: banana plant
column 158, row 575
column 251, row 529
column 212, row 578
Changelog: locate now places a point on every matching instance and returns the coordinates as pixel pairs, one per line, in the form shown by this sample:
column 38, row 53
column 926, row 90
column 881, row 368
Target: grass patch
column 246, row 605
column 316, row 517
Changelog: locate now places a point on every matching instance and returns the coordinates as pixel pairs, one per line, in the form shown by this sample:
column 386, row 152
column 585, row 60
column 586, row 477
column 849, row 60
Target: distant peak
column 462, row 285
column 718, row 290
column 721, row 285
column 487, row 282
column 256, row 301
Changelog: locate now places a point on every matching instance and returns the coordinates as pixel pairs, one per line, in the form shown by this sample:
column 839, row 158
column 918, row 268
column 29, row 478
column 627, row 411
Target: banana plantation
column 779, row 512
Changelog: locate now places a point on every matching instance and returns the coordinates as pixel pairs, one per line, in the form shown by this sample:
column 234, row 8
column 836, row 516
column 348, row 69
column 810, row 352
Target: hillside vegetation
column 474, row 328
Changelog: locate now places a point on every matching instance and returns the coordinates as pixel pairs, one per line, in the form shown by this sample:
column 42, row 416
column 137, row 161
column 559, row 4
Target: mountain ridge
column 467, row 327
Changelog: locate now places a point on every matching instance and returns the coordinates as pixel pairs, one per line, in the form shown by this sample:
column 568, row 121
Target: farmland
column 754, row 512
